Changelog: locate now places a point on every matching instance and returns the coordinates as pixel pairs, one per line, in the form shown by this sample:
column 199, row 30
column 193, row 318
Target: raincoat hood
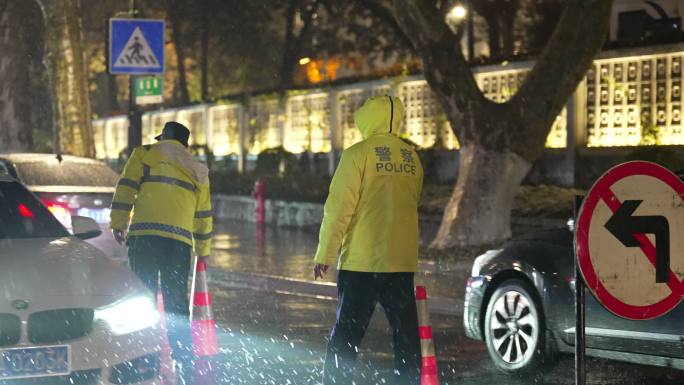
column 380, row 115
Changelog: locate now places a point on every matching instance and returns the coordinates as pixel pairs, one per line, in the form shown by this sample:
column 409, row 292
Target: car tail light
column 25, row 211
column 60, row 211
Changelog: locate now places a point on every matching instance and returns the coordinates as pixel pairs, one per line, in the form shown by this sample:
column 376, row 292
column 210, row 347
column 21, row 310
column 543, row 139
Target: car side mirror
column 84, row 227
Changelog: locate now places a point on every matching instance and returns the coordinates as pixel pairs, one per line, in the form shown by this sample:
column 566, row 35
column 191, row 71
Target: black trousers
column 357, row 295
column 157, row 259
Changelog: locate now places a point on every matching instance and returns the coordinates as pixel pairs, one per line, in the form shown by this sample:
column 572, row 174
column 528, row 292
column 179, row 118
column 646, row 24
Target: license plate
column 99, row 215
column 35, row 362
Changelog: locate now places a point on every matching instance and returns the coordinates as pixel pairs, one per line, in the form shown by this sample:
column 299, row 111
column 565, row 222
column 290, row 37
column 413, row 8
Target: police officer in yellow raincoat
column 371, row 219
column 167, row 191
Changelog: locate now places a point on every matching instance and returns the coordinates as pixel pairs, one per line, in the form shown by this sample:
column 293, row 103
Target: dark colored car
column 73, row 186
column 520, row 301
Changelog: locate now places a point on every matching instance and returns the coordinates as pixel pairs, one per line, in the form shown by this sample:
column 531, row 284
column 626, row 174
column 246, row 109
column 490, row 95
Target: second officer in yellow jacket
column 167, row 191
column 371, row 219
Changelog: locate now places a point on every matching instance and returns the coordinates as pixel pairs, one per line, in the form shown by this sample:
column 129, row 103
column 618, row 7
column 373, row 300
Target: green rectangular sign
column 149, row 90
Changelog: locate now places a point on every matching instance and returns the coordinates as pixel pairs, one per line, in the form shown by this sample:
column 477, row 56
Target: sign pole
column 134, row 116
column 580, row 337
column 136, row 47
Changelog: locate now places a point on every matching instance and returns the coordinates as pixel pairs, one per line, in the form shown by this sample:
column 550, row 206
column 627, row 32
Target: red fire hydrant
column 259, row 195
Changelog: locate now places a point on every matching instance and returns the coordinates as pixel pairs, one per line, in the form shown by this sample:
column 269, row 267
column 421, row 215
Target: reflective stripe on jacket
column 371, row 214
column 167, row 190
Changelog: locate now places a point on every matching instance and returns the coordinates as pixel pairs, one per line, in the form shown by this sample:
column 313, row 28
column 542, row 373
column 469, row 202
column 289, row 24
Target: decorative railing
column 628, row 98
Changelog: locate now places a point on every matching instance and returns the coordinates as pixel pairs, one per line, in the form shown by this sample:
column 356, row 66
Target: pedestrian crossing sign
column 136, row 46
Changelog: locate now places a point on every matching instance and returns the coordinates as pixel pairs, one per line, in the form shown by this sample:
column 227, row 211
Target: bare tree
column 69, row 75
column 205, row 19
column 299, row 18
column 499, row 141
column 500, row 19
column 175, row 10
column 15, row 127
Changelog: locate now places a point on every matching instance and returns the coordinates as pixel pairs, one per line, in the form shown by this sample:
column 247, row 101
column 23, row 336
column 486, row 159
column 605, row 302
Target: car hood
column 561, row 236
column 60, row 273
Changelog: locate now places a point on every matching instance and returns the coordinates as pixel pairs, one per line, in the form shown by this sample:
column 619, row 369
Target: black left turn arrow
column 623, row 225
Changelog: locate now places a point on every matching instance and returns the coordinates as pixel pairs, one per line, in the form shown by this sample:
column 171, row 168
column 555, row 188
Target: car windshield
column 65, row 173
column 23, row 216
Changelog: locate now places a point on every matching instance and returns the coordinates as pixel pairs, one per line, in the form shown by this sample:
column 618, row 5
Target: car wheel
column 514, row 328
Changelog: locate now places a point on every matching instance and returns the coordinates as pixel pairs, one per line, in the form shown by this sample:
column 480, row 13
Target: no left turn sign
column 629, row 240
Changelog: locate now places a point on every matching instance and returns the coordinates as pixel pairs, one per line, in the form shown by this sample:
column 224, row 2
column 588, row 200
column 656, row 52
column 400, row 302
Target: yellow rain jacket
column 371, row 214
column 168, row 191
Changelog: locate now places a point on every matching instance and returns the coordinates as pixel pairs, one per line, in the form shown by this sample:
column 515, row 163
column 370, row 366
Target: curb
column 322, row 290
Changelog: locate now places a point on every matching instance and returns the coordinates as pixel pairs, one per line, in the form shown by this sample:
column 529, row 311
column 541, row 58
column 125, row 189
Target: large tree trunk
column 500, row 141
column 112, row 93
column 15, row 122
column 70, row 77
column 483, row 197
column 204, row 50
column 294, row 42
column 174, row 12
column 287, row 62
column 493, row 36
column 508, row 28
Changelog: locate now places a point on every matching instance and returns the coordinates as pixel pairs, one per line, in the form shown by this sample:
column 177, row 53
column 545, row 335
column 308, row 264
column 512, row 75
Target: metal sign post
column 625, row 251
column 580, row 338
column 136, row 47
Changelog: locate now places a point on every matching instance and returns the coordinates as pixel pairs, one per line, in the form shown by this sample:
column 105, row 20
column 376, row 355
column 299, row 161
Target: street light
column 455, row 18
column 458, row 12
column 304, row 61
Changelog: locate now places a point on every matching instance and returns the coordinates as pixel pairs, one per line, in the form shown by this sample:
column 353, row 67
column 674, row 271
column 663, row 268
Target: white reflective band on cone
column 202, row 313
column 203, row 285
column 423, row 314
column 427, row 348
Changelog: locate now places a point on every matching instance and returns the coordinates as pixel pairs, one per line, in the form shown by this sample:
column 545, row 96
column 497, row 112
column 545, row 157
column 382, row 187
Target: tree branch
column 564, row 61
column 421, row 21
column 386, row 15
column 307, row 22
column 444, row 66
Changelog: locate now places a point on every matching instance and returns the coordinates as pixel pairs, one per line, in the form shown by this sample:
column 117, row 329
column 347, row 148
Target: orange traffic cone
column 204, row 338
column 428, row 372
column 165, row 361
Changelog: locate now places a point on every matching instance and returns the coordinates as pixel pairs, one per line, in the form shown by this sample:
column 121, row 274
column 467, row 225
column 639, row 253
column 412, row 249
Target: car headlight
column 133, row 313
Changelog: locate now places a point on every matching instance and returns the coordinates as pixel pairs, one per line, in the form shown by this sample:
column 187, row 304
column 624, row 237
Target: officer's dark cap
column 175, row 130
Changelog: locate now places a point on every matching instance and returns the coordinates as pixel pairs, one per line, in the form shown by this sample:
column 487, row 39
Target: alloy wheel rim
column 514, row 328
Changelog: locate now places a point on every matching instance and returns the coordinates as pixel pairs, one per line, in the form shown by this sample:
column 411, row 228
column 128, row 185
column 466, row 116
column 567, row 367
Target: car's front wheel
column 514, row 328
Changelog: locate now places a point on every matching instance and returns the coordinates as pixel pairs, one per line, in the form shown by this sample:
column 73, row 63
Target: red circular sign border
column 586, row 268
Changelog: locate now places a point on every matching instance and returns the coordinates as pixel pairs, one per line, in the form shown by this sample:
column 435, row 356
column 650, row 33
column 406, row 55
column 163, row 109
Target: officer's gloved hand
column 119, row 236
column 320, row 270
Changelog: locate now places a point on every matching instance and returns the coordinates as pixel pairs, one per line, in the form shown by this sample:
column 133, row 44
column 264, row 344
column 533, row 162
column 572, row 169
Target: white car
column 68, row 313
column 70, row 186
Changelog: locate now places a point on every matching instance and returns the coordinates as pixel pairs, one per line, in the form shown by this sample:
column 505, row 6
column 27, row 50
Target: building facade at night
column 629, row 98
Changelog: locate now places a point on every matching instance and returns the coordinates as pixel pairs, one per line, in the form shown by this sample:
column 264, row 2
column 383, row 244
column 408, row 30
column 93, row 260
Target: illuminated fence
column 308, row 125
column 263, row 132
column 154, row 122
column 111, row 137
column 348, row 101
column 195, row 119
column 635, row 101
column 500, row 86
column 224, row 130
column 627, row 99
column 424, row 121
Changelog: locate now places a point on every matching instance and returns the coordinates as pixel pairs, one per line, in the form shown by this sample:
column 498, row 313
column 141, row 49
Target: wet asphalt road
column 270, row 338
column 275, row 338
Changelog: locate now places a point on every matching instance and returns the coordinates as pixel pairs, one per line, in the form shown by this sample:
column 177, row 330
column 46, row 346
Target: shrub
column 662, row 156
